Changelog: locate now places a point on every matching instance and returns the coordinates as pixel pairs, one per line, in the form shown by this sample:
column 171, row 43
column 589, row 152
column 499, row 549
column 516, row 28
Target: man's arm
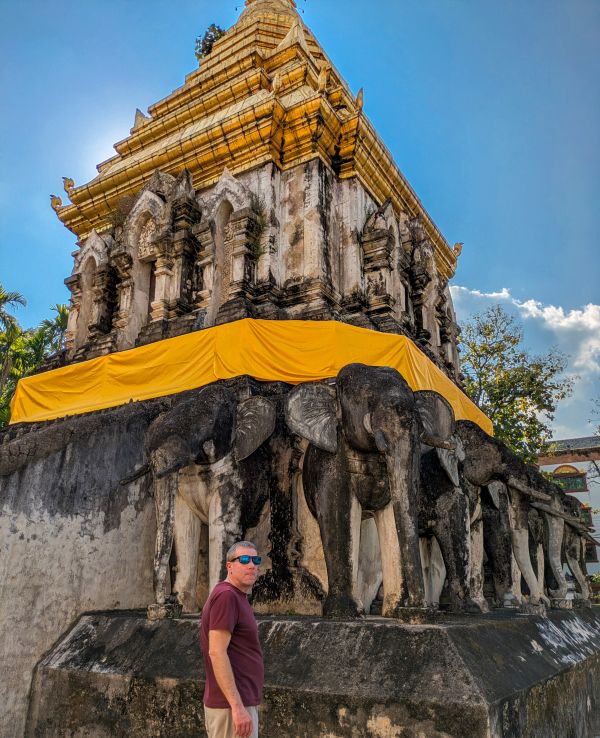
column 218, row 642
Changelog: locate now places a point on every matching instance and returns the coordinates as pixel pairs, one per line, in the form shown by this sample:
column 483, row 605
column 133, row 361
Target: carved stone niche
column 377, row 242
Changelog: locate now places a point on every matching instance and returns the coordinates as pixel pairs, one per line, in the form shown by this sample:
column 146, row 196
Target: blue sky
column 491, row 109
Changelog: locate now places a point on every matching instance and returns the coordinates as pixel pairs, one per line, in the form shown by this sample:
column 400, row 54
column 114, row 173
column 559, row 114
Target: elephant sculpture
column 488, row 460
column 444, row 510
column 363, row 456
column 196, row 453
column 574, row 546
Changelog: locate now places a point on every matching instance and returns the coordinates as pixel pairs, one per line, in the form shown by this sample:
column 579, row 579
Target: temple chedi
column 262, row 346
column 259, row 188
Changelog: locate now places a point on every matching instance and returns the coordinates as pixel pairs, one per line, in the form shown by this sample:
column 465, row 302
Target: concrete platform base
column 503, row 675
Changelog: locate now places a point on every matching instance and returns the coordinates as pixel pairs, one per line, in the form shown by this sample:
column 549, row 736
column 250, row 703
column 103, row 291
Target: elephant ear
column 437, row 418
column 255, row 422
column 310, row 411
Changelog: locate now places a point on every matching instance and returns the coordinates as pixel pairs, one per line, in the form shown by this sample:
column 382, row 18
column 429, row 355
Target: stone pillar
column 377, row 248
column 420, row 278
column 204, row 266
column 123, row 263
column 162, row 275
column 184, row 251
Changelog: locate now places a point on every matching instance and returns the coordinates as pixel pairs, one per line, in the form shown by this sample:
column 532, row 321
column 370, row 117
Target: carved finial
column 294, row 36
column 458, row 247
column 277, row 2
column 69, row 185
column 324, row 77
column 360, row 99
column 55, row 202
column 139, row 120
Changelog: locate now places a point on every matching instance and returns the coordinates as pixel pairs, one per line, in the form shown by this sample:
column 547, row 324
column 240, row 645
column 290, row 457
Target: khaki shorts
column 220, row 725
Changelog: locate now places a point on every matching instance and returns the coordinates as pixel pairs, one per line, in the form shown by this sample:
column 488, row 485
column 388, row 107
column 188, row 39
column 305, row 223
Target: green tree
column 23, row 352
column 55, row 328
column 204, row 45
column 518, row 391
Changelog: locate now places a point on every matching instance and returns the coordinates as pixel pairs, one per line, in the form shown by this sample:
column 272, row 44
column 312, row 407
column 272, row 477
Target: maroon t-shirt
column 227, row 608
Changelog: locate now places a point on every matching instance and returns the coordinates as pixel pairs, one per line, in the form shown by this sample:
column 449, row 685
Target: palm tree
column 9, row 299
column 11, row 340
column 55, row 329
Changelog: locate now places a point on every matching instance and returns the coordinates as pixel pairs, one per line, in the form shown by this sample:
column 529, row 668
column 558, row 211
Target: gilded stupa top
column 267, row 92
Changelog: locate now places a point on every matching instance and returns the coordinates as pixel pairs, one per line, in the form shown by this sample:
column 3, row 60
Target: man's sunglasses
column 245, row 559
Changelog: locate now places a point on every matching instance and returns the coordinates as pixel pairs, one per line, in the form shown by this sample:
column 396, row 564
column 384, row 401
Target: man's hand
column 242, row 722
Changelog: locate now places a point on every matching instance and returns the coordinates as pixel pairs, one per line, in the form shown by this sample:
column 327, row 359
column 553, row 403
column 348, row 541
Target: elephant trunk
column 403, row 469
column 165, row 489
column 527, row 490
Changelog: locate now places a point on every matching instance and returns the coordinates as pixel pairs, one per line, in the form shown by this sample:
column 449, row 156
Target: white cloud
column 458, row 291
column 575, row 333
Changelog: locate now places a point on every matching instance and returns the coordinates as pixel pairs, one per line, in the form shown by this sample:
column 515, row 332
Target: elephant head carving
column 201, row 430
column 439, row 431
column 205, row 427
column 363, row 454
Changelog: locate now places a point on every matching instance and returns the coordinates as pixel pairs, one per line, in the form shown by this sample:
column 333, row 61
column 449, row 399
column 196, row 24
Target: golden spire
column 272, row 6
column 270, row 2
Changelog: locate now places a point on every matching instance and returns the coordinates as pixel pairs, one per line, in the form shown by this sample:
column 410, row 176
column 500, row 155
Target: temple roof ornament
column 267, row 74
column 271, row 4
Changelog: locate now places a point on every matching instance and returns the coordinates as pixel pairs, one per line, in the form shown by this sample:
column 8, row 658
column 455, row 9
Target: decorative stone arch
column 227, row 188
column 94, row 245
column 148, row 208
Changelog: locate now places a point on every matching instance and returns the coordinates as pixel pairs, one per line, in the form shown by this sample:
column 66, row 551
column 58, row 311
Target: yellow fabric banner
column 291, row 351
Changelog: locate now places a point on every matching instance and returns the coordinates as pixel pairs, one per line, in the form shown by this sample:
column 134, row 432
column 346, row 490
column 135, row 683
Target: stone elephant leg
column 520, row 540
column 575, row 553
column 329, row 495
column 498, row 541
column 224, row 529
column 188, row 528
column 165, row 491
column 434, row 570
column 453, row 536
column 390, row 558
column 556, row 531
column 477, row 554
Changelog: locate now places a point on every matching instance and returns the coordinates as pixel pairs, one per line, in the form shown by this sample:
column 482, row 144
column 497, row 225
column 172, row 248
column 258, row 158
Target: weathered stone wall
column 501, row 676
column 72, row 537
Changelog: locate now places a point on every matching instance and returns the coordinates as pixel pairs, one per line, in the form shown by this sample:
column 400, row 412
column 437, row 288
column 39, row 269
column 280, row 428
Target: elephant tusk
column 529, row 491
column 436, row 442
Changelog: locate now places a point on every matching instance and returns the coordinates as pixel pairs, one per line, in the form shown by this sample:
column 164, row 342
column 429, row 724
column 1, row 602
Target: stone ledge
column 503, row 675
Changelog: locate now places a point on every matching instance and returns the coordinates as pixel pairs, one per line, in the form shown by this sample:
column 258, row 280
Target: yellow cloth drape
column 291, row 351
